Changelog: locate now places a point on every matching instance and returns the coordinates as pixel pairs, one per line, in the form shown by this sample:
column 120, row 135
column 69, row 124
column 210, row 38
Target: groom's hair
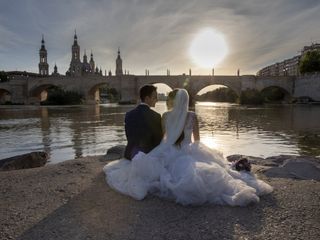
column 146, row 90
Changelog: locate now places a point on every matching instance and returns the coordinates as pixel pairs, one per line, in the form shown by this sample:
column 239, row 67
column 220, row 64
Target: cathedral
column 76, row 68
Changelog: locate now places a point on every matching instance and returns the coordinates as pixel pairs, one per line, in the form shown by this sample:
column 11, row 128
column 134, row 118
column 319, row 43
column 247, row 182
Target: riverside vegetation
column 250, row 96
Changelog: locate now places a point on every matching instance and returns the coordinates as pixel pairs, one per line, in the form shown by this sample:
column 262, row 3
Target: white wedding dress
column 191, row 174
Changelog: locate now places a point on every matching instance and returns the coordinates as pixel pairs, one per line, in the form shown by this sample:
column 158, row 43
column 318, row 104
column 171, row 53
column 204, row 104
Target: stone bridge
column 27, row 90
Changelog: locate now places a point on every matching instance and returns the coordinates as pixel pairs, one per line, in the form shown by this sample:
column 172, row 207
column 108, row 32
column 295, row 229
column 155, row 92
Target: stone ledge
column 28, row 160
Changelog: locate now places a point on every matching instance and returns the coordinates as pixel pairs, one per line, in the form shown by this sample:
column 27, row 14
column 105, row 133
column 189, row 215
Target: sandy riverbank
column 71, row 200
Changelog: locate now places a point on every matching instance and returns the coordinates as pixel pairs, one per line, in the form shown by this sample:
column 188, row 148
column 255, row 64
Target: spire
column 91, row 58
column 92, row 64
column 43, row 64
column 55, row 68
column 119, row 57
column 75, row 64
column 75, row 38
column 119, row 64
column 43, row 47
column 85, row 57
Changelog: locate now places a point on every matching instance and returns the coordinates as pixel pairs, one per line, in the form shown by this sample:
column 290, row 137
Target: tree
column 251, row 96
column 222, row 94
column 273, row 94
column 310, row 62
column 109, row 93
column 58, row 96
column 3, row 76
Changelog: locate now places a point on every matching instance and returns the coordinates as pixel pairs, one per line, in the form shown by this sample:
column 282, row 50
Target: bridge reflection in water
column 68, row 132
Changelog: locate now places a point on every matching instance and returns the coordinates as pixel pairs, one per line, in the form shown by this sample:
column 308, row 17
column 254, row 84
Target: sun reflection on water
column 66, row 132
column 210, row 142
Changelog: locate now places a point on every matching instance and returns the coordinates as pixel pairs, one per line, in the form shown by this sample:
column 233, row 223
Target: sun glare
column 208, row 48
column 210, row 142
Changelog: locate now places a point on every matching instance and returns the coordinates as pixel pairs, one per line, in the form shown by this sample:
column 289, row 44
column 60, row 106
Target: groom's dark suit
column 143, row 130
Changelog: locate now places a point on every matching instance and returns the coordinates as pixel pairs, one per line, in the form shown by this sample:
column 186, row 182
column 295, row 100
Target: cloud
column 155, row 35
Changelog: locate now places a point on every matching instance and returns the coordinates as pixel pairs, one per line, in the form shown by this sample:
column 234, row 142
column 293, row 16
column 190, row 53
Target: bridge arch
column 36, row 92
column 285, row 83
column 222, row 85
column 93, row 94
column 170, row 81
column 199, row 85
column 163, row 85
column 200, row 82
column 276, row 93
column 231, row 96
column 5, row 96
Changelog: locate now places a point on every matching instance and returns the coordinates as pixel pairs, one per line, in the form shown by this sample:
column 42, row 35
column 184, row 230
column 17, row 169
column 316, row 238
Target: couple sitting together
column 164, row 157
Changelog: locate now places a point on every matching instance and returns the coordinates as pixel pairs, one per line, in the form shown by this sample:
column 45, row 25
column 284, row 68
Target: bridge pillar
column 308, row 85
column 192, row 98
column 19, row 94
column 129, row 92
column 33, row 101
column 247, row 82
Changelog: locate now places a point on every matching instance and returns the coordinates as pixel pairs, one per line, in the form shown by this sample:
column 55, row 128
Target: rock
column 297, row 169
column 281, row 159
column 29, row 160
column 285, row 166
column 253, row 160
column 235, row 157
column 115, row 152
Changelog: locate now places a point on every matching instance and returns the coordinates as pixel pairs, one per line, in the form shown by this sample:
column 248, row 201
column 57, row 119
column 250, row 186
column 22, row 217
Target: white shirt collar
column 142, row 103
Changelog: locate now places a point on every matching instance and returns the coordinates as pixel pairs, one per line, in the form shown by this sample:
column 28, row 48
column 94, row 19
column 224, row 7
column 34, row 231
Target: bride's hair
column 171, row 97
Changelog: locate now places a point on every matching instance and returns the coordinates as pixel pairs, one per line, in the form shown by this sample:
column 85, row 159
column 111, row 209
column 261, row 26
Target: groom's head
column 148, row 95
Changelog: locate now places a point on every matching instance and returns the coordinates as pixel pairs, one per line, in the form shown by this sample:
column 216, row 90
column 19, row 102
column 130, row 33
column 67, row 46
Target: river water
column 68, row 132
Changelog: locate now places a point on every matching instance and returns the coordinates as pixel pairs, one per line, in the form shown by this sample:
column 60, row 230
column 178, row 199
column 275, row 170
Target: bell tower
column 43, row 64
column 75, row 49
column 92, row 64
column 75, row 64
column 119, row 64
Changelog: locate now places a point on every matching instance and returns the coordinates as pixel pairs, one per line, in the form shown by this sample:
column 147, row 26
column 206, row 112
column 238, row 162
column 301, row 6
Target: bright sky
column 158, row 35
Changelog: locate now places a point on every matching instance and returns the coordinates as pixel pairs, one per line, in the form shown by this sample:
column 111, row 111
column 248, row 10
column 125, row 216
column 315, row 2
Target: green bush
column 110, row 93
column 273, row 94
column 3, row 77
column 222, row 94
column 310, row 62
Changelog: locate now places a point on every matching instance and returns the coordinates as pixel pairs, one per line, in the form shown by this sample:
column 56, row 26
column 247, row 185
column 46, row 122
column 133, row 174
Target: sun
column 208, row 48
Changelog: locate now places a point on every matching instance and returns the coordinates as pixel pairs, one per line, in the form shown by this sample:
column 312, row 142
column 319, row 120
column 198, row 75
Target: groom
column 143, row 125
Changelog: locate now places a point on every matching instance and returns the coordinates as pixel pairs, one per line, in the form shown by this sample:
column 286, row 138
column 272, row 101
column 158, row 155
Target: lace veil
column 176, row 118
column 175, row 122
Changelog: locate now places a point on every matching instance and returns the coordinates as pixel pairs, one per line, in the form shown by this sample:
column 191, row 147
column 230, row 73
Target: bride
column 184, row 170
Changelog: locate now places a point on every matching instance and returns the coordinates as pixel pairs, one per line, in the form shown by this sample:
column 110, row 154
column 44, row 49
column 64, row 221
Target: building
column 43, row 63
column 55, row 71
column 288, row 67
column 76, row 68
column 313, row 46
column 119, row 64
